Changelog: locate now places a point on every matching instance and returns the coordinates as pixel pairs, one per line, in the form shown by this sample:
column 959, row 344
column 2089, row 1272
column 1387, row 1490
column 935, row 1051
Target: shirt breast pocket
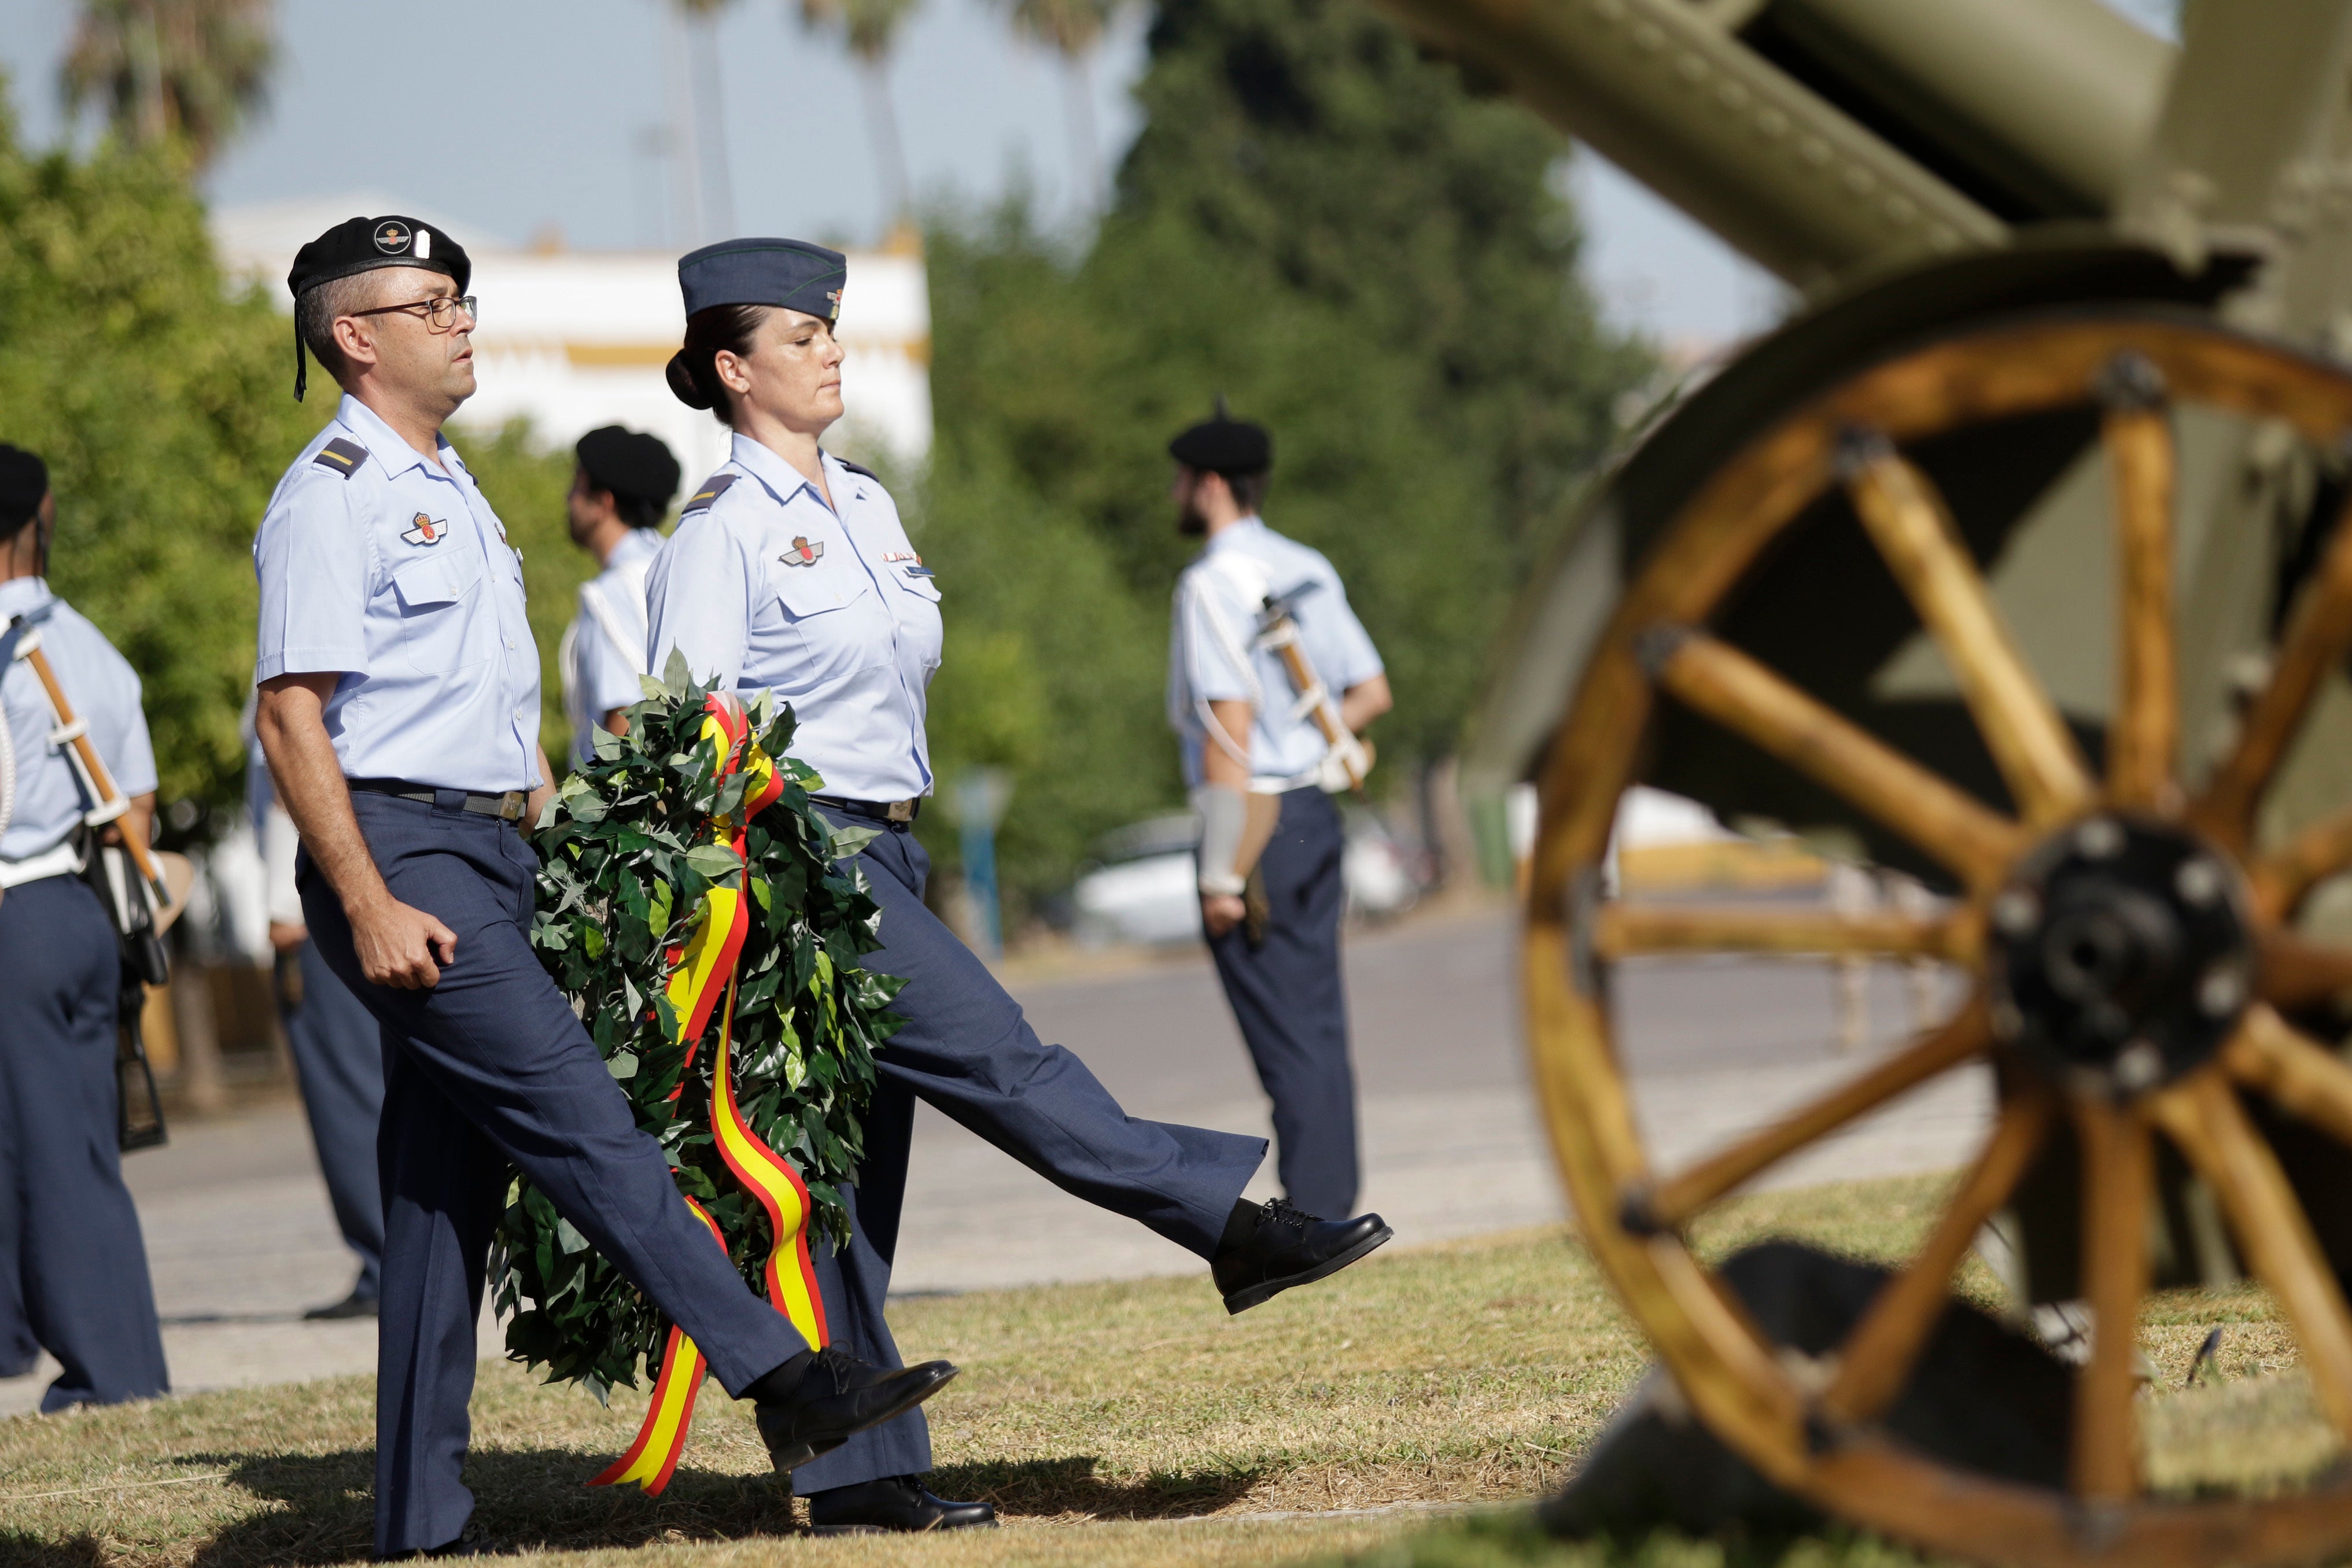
column 841, row 625
column 437, row 596
column 918, row 615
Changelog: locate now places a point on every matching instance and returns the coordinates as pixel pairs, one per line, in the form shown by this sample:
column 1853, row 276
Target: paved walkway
column 240, row 1239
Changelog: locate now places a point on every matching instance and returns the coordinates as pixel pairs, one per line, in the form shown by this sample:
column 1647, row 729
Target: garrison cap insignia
column 805, row 552
column 392, row 236
column 700, row 500
column 426, row 531
column 343, row 456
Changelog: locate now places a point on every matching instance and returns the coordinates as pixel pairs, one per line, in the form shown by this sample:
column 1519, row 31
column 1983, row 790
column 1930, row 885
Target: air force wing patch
column 805, row 552
column 426, row 531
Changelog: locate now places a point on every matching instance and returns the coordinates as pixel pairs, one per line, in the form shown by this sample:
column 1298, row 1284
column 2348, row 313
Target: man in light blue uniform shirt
column 621, row 486
column 73, row 1270
column 399, row 713
column 1246, row 732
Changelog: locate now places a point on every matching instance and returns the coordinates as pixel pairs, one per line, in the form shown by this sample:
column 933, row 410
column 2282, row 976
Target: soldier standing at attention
column 791, row 573
column 620, row 489
column 399, row 711
column 1237, row 709
column 70, row 1250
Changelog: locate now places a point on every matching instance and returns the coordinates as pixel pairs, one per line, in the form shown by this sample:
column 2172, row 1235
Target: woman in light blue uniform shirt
column 789, row 572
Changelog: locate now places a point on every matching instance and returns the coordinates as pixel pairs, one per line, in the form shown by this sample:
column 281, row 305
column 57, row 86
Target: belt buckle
column 900, row 811
column 510, row 805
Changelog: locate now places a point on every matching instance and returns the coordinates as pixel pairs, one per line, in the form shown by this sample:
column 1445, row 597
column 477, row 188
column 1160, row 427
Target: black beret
column 362, row 245
column 1225, row 446
column 792, row 273
column 24, row 480
column 629, row 463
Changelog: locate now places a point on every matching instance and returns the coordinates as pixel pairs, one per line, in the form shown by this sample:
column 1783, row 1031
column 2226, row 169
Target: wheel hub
column 2120, row 955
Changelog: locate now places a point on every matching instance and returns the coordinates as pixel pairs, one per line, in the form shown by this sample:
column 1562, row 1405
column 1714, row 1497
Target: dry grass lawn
column 1124, row 1424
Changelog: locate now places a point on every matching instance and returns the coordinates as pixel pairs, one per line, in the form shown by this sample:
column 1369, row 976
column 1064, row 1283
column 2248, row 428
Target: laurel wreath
column 626, row 859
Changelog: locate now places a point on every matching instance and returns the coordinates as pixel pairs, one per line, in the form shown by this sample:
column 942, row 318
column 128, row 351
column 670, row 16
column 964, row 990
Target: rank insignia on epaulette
column 702, row 498
column 805, row 552
column 426, row 531
column 341, row 456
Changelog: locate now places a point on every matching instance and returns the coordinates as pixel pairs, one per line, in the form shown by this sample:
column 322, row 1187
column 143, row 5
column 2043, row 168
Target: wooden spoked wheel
column 2131, row 1036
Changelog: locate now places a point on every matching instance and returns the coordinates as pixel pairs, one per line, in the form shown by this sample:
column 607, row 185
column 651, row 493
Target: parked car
column 1143, row 884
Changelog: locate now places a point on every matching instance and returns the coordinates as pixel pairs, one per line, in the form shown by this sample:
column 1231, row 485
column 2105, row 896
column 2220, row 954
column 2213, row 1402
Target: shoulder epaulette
column 859, row 469
column 700, row 500
column 343, row 456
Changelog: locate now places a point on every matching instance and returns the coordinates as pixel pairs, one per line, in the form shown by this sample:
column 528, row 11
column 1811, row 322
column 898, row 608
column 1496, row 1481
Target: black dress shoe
column 837, row 1397
column 1268, row 1248
column 352, row 1306
column 893, row 1502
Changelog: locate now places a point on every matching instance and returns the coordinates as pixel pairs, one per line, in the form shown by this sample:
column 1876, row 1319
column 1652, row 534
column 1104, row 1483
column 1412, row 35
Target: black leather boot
column 830, row 1398
column 893, row 1502
column 1268, row 1248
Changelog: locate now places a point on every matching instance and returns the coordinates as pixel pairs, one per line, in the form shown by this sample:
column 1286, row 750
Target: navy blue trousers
column 491, row 1066
column 967, row 1051
column 67, row 1228
column 337, row 1051
column 1291, row 1008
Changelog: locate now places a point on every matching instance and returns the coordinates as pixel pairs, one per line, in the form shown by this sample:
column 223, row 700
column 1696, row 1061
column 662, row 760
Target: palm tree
column 870, row 28
column 192, row 69
column 1073, row 28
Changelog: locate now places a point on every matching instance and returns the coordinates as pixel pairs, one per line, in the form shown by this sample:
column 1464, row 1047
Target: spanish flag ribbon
column 652, row 1457
column 702, row 971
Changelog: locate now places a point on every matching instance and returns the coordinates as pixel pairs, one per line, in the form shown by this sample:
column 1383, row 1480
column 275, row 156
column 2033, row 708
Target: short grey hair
column 315, row 314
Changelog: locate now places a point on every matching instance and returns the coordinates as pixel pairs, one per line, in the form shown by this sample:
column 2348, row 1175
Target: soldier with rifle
column 75, row 767
column 1271, row 679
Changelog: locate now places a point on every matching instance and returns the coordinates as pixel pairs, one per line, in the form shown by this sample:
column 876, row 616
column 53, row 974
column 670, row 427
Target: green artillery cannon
column 2017, row 560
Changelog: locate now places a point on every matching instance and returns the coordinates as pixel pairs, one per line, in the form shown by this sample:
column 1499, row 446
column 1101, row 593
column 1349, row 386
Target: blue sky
column 523, row 116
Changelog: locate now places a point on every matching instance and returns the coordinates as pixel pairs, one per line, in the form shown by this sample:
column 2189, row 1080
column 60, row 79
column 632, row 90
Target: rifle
column 139, row 907
column 1349, row 758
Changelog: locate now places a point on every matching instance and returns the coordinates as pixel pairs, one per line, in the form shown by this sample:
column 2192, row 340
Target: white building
column 573, row 339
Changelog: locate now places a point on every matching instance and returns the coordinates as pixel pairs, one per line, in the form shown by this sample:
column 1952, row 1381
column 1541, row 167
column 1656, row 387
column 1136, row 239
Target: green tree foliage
column 162, row 400
column 1329, row 228
column 163, row 404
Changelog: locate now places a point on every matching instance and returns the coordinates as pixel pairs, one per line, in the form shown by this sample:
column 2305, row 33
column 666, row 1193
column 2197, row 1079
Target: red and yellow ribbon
column 703, row 971
column 652, row 1457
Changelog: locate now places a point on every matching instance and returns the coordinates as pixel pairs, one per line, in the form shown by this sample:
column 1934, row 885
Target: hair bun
column 681, row 383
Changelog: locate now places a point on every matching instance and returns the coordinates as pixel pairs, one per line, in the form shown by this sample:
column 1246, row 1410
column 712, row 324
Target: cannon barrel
column 1818, row 136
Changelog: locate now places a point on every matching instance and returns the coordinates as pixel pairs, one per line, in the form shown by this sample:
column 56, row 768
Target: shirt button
column 509, row 645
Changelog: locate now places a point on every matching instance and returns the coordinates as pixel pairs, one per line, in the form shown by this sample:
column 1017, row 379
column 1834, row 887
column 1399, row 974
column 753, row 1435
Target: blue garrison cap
column 788, row 272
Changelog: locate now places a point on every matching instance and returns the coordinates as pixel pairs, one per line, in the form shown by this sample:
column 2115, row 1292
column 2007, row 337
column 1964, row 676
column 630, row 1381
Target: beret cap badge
column 392, row 236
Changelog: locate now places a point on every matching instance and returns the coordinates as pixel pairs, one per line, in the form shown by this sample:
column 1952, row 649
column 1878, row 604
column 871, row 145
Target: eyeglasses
column 440, row 311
